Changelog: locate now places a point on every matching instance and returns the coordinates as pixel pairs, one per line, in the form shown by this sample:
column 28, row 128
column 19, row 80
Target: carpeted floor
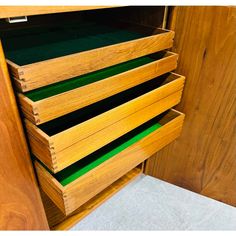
column 151, row 204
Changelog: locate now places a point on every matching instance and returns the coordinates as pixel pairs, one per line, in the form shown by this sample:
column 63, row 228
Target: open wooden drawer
column 77, row 184
column 50, row 55
column 49, row 102
column 57, row 220
column 67, row 139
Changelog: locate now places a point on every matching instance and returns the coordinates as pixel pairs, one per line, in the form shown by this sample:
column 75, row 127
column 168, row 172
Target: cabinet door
column 203, row 158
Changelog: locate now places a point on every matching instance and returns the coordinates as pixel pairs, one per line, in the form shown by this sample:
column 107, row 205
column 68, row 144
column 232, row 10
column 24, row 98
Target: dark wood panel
column 20, row 203
column 144, row 15
column 203, row 159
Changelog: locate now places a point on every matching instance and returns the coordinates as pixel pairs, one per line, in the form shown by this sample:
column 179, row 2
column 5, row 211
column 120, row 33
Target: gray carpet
column 151, row 204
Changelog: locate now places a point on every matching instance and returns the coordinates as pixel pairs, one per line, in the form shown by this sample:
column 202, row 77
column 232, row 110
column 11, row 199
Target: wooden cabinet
column 96, row 100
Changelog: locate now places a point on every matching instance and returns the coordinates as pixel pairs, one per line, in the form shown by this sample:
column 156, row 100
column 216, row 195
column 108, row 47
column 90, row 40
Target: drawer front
column 71, row 145
column 58, row 105
column 56, row 216
column 28, row 77
column 68, row 198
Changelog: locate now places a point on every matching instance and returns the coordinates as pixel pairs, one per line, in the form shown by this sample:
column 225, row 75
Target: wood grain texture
column 20, row 203
column 76, row 193
column 52, row 107
column 30, row 76
column 14, row 11
column 203, row 158
column 58, row 221
column 65, row 148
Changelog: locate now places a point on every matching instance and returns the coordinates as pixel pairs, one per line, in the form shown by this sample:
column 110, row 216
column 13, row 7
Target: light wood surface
column 64, row 103
column 58, row 221
column 75, row 194
column 15, row 11
column 63, row 149
column 116, row 130
column 203, row 158
column 20, row 203
column 30, row 76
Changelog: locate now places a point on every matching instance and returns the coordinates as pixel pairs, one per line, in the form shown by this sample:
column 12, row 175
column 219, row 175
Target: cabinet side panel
column 20, row 203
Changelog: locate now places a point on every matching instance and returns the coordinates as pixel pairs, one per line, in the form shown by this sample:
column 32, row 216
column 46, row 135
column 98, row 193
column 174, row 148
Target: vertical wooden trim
column 172, row 16
column 165, row 17
column 20, row 203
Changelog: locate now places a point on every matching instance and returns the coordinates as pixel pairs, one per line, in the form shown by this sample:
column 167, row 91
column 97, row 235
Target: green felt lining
column 30, row 46
column 74, row 118
column 54, row 89
column 88, row 163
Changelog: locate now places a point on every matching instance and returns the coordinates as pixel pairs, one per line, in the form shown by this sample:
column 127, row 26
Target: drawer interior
column 33, row 45
column 67, row 121
column 83, row 166
column 95, row 159
column 83, row 80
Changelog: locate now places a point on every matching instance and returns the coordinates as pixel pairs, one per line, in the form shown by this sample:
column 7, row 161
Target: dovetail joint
column 66, row 204
column 52, row 153
column 35, row 109
column 54, row 165
column 54, row 159
column 23, row 86
column 21, row 73
column 23, row 79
